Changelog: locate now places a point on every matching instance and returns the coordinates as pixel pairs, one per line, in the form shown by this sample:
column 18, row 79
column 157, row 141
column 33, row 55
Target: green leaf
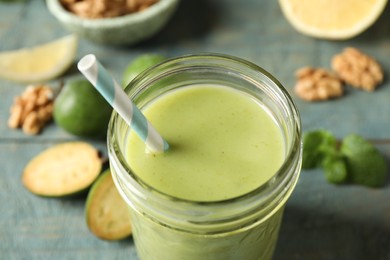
column 316, row 146
column 366, row 166
column 335, row 169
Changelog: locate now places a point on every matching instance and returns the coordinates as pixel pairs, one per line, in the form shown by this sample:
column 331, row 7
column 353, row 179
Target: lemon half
column 40, row 63
column 332, row 19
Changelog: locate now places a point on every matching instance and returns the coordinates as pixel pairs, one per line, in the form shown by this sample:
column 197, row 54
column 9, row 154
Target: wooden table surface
column 322, row 221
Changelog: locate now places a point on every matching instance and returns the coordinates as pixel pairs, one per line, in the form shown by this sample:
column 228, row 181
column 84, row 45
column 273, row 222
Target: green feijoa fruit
column 81, row 110
column 63, row 170
column 107, row 214
column 138, row 65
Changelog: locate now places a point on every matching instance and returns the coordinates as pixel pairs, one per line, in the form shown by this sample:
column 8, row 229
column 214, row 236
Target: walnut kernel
column 96, row 9
column 315, row 84
column 32, row 109
column 358, row 69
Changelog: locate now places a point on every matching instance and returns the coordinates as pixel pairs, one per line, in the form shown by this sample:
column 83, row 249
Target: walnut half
column 32, row 109
column 357, row 69
column 316, row 84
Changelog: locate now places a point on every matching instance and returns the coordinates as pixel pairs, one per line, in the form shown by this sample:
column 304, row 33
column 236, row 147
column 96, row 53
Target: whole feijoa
column 139, row 64
column 81, row 110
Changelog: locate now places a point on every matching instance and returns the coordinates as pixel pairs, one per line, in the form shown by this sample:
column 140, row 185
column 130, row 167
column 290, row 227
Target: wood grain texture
column 321, row 221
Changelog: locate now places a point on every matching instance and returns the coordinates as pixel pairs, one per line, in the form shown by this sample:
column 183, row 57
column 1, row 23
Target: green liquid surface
column 223, row 144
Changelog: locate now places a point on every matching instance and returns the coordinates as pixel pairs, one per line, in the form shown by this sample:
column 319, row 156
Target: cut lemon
column 332, row 19
column 40, row 63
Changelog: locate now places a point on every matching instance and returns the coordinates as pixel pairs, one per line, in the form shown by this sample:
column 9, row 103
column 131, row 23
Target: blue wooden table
column 322, row 221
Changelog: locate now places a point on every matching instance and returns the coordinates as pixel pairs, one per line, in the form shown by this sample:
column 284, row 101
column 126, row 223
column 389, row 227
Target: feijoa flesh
column 62, row 170
column 107, row 214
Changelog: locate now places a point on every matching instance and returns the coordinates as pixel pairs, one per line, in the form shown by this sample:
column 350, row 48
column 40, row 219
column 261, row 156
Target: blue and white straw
column 117, row 98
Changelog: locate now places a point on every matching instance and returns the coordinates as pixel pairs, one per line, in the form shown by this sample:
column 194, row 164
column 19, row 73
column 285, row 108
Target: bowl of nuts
column 119, row 22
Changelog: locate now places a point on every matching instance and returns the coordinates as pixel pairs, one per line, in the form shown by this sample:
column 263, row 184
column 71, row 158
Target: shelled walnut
column 32, row 109
column 357, row 69
column 95, row 9
column 315, row 84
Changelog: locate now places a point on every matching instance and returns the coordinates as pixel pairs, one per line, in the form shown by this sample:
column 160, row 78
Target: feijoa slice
column 62, row 170
column 107, row 214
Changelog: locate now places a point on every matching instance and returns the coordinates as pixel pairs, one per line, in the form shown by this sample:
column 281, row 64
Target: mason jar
column 244, row 227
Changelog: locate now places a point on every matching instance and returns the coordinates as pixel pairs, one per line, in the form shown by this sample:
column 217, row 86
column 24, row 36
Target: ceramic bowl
column 123, row 30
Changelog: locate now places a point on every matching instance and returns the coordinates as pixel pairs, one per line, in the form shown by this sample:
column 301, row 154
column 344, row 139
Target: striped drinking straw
column 118, row 99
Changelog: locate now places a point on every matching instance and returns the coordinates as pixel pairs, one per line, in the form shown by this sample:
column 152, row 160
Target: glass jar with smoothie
column 234, row 159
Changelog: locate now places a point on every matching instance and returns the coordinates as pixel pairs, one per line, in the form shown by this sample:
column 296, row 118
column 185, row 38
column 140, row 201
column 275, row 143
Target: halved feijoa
column 62, row 170
column 107, row 214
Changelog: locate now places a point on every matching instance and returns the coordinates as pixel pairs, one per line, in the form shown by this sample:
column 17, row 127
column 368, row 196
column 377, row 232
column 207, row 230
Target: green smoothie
column 223, row 144
column 219, row 192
